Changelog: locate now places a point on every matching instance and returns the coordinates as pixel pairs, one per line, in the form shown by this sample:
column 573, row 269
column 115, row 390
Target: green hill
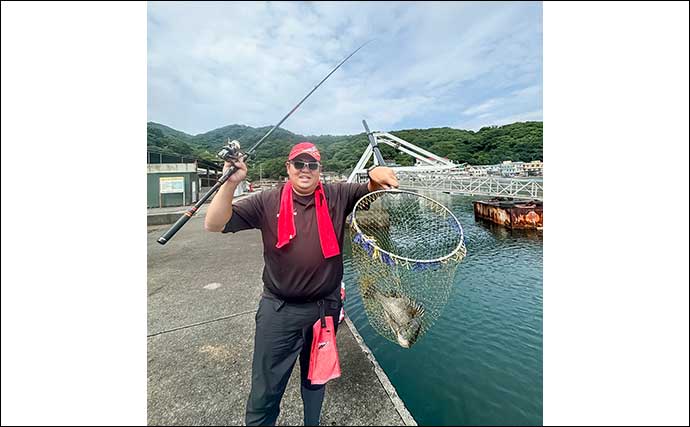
column 521, row 141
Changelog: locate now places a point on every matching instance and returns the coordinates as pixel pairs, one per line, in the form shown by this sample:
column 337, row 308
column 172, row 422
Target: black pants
column 284, row 331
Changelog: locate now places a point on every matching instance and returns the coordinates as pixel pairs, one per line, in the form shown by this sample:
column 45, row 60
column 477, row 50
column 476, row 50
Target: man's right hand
column 220, row 210
column 239, row 175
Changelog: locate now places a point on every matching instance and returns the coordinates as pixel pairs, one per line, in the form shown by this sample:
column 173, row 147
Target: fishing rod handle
column 165, row 238
column 175, row 228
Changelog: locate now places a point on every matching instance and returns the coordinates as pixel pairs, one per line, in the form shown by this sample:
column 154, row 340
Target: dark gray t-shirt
column 298, row 272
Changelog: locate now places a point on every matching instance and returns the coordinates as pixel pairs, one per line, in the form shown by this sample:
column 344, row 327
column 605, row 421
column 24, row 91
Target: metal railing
column 474, row 186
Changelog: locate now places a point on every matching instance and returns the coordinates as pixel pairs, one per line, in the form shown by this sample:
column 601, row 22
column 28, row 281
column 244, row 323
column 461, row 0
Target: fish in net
column 406, row 248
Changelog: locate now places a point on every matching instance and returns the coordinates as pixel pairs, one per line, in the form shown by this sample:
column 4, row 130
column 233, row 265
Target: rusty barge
column 514, row 214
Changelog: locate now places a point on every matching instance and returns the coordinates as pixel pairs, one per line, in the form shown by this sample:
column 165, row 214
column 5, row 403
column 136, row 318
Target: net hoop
column 459, row 251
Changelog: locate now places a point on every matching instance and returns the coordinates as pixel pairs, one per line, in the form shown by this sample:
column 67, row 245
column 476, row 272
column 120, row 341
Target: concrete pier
column 203, row 291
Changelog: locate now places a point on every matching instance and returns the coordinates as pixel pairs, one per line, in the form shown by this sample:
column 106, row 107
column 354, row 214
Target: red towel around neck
column 286, row 221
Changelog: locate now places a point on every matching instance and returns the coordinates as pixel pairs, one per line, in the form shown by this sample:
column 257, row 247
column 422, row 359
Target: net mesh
column 406, row 248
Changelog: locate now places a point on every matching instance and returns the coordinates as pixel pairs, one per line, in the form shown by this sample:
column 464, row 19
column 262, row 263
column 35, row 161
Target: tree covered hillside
column 518, row 142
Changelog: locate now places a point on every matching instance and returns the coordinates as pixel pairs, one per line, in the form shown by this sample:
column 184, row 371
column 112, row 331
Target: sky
column 458, row 64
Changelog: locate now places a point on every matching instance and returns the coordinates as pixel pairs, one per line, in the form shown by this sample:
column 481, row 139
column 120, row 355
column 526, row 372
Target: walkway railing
column 476, row 186
column 473, row 186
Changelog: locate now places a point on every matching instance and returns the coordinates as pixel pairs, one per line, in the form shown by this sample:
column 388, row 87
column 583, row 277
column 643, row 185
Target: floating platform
column 511, row 213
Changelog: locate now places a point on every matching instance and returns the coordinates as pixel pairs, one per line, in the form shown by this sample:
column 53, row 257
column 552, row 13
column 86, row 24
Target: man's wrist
column 229, row 185
column 371, row 168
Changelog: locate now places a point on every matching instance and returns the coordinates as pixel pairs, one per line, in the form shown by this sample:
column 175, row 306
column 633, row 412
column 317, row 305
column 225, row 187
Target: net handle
column 420, row 261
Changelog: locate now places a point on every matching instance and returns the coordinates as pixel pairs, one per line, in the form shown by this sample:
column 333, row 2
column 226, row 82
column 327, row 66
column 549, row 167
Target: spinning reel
column 231, row 151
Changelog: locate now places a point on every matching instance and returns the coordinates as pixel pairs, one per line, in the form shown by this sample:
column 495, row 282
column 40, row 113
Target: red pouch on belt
column 324, row 363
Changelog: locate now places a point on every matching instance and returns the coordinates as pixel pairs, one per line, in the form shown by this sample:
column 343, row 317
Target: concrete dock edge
column 383, row 378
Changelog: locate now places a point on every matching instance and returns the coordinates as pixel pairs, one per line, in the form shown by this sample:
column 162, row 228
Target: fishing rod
column 231, row 153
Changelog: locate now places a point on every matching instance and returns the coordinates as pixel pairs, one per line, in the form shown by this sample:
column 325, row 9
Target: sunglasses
column 299, row 165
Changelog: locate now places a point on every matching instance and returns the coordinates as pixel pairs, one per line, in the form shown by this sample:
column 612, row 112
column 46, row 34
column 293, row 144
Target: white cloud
column 214, row 64
column 483, row 107
column 520, row 105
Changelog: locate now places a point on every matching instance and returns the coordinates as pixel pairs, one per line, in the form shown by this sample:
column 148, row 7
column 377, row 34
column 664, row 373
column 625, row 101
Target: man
column 302, row 226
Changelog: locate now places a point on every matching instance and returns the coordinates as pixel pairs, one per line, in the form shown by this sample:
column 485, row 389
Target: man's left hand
column 382, row 177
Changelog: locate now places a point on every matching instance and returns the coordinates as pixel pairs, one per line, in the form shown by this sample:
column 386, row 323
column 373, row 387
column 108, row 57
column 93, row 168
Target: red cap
column 305, row 148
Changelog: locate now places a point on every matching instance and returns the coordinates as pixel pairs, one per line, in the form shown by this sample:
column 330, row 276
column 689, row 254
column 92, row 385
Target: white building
column 534, row 168
column 478, row 171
